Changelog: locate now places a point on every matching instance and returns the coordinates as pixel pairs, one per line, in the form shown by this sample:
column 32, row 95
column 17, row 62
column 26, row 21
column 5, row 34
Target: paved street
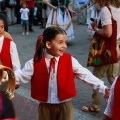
column 26, row 107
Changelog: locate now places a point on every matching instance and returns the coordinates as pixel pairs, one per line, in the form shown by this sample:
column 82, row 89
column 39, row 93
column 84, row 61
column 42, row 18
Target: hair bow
column 41, row 37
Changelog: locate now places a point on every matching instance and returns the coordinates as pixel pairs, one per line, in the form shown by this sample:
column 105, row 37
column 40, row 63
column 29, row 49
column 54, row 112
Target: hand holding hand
column 106, row 94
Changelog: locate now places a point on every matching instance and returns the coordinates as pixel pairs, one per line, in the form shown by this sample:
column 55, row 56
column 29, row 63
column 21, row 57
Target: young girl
column 8, row 52
column 24, row 18
column 52, row 73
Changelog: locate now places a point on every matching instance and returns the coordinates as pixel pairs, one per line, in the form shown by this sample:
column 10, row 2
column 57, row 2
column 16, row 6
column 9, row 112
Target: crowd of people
column 47, row 70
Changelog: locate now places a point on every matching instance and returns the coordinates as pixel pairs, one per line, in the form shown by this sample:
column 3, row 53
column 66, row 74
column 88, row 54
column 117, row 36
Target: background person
column 24, row 11
column 82, row 16
column 10, row 10
column 60, row 15
column 106, row 31
column 30, row 5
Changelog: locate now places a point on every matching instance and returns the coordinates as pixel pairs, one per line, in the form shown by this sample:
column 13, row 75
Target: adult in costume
column 60, row 16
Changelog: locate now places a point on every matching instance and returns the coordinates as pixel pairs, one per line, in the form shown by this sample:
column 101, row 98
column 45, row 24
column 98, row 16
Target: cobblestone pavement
column 25, row 106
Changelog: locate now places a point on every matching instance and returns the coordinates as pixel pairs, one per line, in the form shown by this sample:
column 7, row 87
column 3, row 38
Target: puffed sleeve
column 24, row 75
column 105, row 16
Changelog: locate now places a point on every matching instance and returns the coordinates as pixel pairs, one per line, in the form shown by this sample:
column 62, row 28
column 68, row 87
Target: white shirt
column 24, row 76
column 13, row 53
column 105, row 17
column 108, row 110
column 24, row 13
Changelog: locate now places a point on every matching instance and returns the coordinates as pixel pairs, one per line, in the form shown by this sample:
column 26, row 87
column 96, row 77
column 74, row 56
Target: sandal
column 90, row 109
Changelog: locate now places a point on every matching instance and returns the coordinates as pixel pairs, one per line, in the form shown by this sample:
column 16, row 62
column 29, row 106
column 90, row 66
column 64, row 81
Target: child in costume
column 60, row 15
column 48, row 72
column 8, row 53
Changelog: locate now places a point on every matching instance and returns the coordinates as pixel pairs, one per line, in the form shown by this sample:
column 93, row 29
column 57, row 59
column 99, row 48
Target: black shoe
column 31, row 30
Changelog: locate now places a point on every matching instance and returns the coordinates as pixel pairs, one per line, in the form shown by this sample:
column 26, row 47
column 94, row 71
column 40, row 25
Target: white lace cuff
column 106, row 22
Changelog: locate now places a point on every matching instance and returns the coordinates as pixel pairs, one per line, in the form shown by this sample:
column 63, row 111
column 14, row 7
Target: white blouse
column 24, row 76
column 108, row 110
column 13, row 53
column 105, row 17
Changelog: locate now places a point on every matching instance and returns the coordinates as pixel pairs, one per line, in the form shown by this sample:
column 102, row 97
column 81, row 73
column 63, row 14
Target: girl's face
column 24, row 5
column 1, row 28
column 57, row 46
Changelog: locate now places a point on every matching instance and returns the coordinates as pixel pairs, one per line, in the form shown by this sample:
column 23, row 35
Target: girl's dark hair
column 2, row 18
column 48, row 35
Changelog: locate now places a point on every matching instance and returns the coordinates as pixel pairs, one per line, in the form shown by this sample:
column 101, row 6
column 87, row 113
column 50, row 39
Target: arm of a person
column 70, row 8
column 14, row 56
column 24, row 75
column 105, row 18
column 106, row 31
column 87, row 77
column 49, row 4
column 28, row 12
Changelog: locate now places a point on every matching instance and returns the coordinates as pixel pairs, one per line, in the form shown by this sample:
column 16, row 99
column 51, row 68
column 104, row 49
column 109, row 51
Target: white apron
column 56, row 18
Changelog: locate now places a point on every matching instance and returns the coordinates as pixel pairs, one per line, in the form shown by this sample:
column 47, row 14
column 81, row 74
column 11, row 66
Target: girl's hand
column 73, row 12
column 106, row 94
column 4, row 74
column 55, row 8
column 94, row 25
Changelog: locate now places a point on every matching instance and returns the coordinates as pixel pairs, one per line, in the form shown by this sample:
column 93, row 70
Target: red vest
column 5, row 53
column 30, row 4
column 116, row 101
column 65, row 79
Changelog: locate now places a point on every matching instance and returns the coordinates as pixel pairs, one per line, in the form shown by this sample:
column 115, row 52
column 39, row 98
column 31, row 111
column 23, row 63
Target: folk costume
column 8, row 56
column 53, row 87
column 113, row 105
column 61, row 17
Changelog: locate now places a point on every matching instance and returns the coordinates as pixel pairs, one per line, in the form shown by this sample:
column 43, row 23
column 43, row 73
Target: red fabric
column 5, row 53
column 30, row 3
column 52, row 64
column 103, row 50
column 111, row 42
column 65, row 77
column 10, row 119
column 116, row 101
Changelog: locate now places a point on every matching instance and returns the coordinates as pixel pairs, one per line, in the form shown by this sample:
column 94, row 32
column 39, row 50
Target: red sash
column 116, row 101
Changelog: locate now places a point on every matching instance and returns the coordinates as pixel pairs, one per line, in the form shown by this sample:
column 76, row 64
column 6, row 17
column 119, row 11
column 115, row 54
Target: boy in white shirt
column 24, row 11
